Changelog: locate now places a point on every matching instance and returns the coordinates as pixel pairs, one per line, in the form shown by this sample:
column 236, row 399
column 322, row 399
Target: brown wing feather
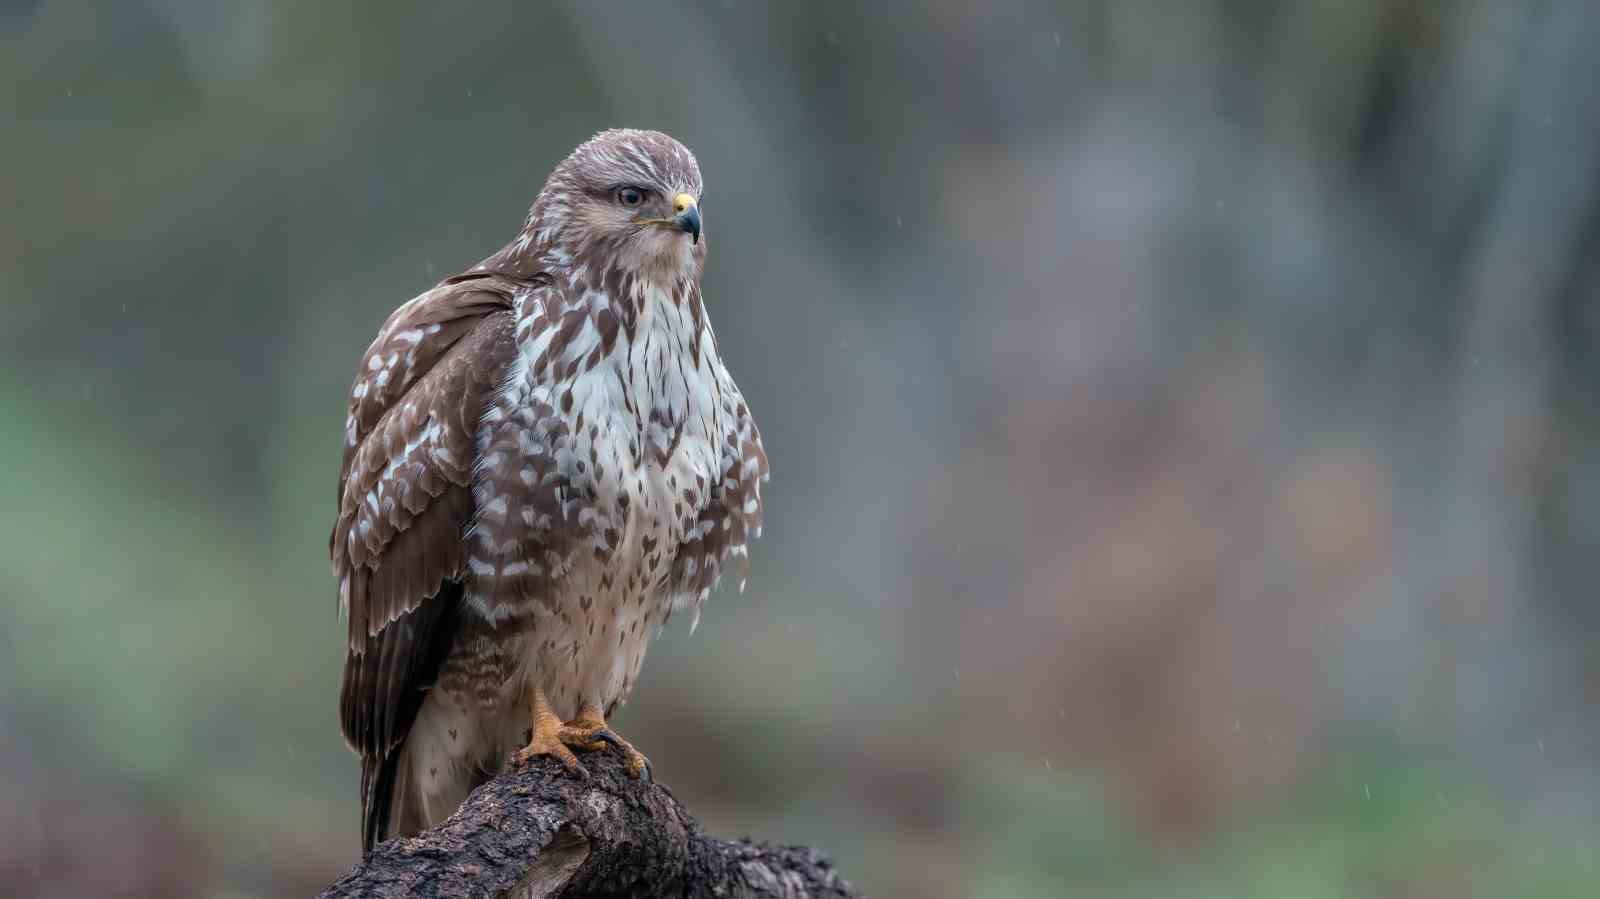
column 410, row 447
column 404, row 501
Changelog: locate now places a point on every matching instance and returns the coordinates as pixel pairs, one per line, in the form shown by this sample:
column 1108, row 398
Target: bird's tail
column 378, row 775
column 389, row 806
column 383, row 691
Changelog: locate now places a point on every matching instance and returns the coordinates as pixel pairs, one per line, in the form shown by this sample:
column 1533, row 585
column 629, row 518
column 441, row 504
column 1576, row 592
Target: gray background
column 1182, row 421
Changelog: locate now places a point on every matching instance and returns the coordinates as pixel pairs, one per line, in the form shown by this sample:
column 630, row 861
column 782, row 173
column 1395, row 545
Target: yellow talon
column 589, row 732
column 547, row 738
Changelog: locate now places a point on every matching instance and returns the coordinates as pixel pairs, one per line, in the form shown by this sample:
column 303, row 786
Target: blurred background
column 1186, row 459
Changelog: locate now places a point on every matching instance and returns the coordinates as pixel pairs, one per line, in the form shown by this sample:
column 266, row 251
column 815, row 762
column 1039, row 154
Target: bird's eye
column 630, row 196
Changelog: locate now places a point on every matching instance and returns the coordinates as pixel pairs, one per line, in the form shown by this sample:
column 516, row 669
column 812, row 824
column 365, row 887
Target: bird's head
column 629, row 198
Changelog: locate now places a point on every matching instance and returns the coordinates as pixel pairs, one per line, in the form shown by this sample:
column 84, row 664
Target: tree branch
column 538, row 832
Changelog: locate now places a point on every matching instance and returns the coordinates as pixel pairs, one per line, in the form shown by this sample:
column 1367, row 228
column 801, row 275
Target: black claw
column 648, row 775
column 605, row 736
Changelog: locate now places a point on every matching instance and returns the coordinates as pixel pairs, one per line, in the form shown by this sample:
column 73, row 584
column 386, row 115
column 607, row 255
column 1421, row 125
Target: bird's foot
column 591, row 734
column 547, row 738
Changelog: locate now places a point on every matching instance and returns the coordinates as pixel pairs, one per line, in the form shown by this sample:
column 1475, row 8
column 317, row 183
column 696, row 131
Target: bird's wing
column 405, row 497
column 409, row 448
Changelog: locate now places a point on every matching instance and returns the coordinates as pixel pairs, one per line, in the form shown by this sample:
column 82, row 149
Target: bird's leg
column 548, row 737
column 589, row 732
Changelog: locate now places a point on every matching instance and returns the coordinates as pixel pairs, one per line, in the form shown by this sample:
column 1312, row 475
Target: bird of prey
column 544, row 457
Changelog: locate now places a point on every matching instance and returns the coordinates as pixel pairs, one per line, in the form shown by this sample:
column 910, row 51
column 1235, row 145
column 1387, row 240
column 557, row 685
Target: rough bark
column 539, row 832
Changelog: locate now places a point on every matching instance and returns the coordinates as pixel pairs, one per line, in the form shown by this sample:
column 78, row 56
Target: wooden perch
column 538, row 832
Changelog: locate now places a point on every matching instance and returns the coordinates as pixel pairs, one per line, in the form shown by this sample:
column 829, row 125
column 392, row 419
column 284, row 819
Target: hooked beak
column 687, row 217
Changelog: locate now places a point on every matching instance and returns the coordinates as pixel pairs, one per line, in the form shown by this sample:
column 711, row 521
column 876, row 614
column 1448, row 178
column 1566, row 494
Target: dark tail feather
column 378, row 777
column 382, row 694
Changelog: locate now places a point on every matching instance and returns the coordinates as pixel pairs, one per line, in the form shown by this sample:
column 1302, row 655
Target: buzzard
column 544, row 457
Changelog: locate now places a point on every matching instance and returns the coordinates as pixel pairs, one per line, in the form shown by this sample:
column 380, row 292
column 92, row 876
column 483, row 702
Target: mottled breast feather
column 731, row 517
column 540, row 484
